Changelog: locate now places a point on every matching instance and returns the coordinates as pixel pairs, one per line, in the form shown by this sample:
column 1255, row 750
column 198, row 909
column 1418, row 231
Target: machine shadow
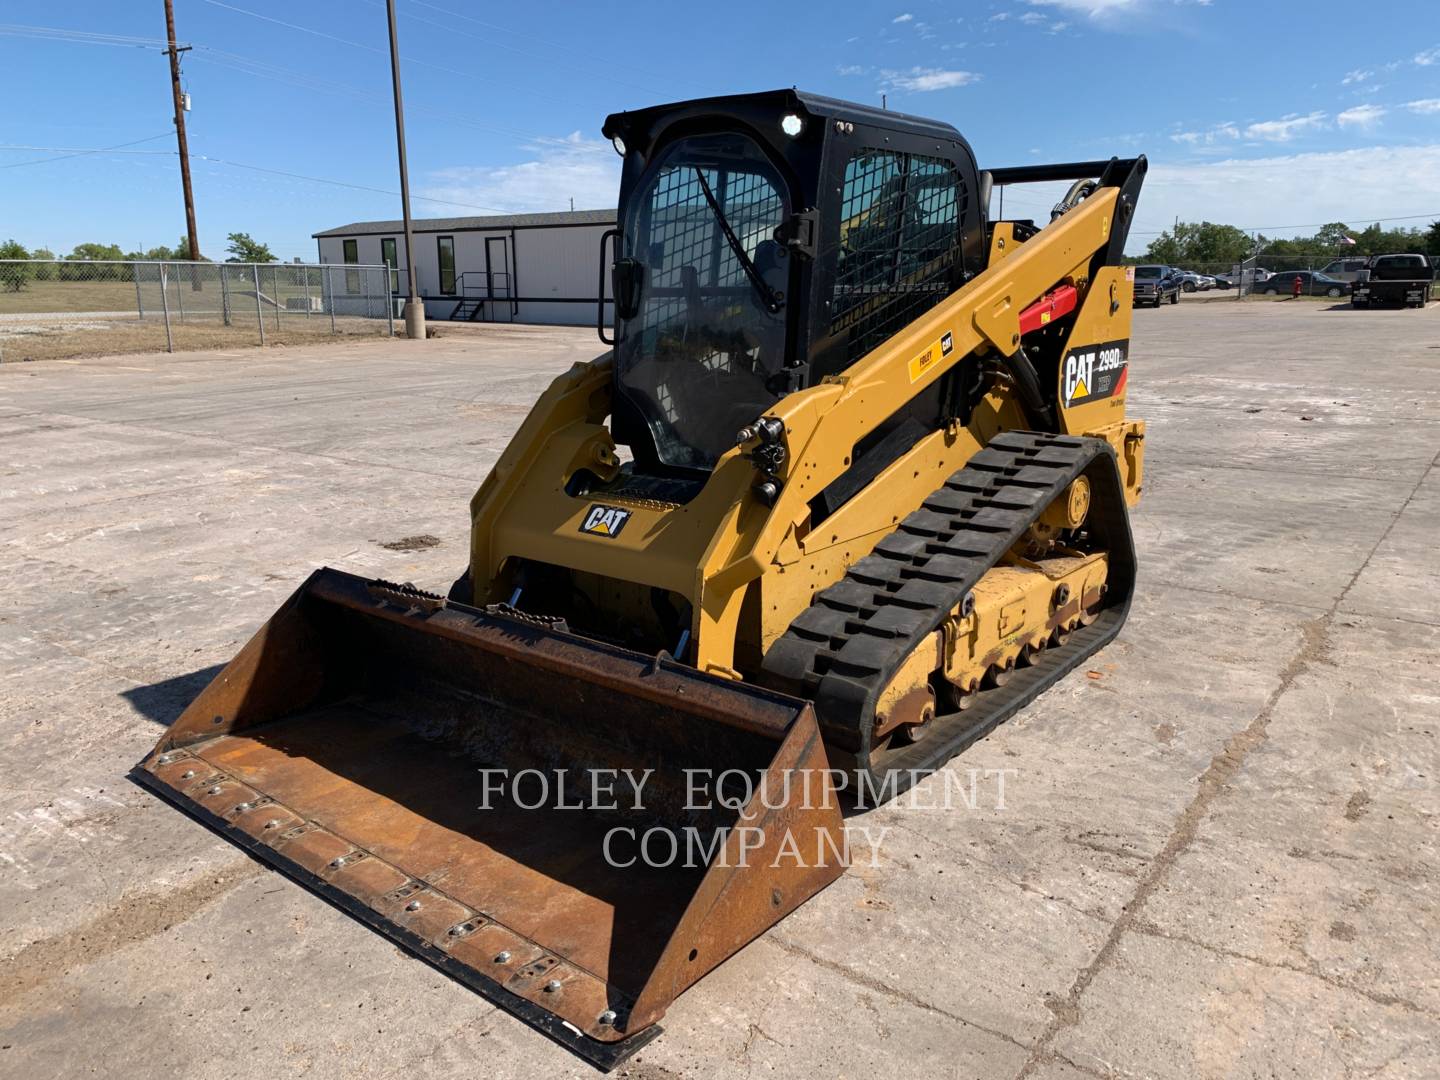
column 163, row 701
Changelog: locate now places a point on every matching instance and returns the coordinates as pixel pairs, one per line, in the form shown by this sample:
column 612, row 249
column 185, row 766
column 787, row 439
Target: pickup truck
column 1154, row 284
column 1395, row 279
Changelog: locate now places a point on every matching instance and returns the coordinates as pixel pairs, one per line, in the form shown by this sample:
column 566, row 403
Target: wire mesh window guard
column 899, row 244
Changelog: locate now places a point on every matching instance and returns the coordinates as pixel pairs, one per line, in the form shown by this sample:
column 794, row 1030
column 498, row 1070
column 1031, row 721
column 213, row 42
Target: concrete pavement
column 1216, row 854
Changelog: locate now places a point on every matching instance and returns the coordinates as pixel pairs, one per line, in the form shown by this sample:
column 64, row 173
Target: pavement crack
column 1314, row 645
column 871, row 983
column 1311, row 969
column 1022, row 885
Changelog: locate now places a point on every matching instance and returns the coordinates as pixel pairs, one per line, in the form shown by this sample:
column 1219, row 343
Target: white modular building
column 524, row 268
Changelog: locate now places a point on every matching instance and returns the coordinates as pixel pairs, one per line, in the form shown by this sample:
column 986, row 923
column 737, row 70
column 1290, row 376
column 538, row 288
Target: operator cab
column 765, row 241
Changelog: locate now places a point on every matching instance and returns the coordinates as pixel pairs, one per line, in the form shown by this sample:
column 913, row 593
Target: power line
column 261, row 69
column 370, row 48
column 490, row 41
column 265, row 70
column 81, row 37
column 506, row 30
column 346, row 184
column 70, row 152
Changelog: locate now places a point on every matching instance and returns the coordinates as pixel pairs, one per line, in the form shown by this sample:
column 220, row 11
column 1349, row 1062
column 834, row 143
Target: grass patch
column 58, row 341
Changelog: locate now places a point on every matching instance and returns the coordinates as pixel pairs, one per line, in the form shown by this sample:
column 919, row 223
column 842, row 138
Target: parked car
column 1395, row 279
column 1353, row 268
column 1312, row 283
column 1190, row 281
column 1250, row 276
column 1155, row 284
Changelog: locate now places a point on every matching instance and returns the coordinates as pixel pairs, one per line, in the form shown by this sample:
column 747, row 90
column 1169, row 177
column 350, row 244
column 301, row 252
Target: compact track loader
column 849, row 488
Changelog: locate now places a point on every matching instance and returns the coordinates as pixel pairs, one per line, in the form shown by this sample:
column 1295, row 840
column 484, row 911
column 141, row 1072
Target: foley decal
column 924, row 362
column 1094, row 372
column 602, row 520
column 930, row 357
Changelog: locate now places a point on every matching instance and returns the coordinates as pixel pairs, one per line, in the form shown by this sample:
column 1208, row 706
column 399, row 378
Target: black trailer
column 1395, row 279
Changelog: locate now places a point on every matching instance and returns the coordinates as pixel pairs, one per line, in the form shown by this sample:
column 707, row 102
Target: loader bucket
column 386, row 748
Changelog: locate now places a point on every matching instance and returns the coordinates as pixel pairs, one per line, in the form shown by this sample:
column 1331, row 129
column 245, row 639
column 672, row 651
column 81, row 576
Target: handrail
column 605, row 238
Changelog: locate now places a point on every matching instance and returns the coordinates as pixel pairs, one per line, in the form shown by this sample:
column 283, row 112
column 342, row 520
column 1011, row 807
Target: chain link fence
column 1331, row 277
column 52, row 309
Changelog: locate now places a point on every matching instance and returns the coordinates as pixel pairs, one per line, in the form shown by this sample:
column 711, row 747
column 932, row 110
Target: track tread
column 843, row 650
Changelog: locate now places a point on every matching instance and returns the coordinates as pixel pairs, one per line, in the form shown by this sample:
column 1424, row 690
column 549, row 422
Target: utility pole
column 174, row 49
column 414, row 308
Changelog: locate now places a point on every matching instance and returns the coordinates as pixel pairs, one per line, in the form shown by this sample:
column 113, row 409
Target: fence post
column 306, row 279
column 139, row 299
column 180, row 295
column 389, row 302
column 259, row 315
column 275, row 282
column 165, row 307
column 224, row 295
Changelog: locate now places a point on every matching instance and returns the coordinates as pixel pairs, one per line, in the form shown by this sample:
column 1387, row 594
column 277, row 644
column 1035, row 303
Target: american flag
column 1348, row 241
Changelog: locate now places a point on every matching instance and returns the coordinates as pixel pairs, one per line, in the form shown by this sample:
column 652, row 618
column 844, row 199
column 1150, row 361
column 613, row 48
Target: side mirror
column 628, row 277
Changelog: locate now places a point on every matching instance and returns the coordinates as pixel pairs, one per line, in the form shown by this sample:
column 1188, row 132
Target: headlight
column 792, row 125
column 619, row 145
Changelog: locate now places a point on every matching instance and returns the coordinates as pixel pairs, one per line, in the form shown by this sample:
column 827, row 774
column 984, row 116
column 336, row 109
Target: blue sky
column 1260, row 114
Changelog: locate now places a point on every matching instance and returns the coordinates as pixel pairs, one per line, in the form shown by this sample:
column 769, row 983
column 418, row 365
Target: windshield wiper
column 774, row 301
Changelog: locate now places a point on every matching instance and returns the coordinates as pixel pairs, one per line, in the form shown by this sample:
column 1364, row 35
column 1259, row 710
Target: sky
column 1270, row 116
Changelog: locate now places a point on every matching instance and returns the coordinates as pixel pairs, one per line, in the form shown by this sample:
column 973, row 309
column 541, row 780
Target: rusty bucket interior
column 345, row 745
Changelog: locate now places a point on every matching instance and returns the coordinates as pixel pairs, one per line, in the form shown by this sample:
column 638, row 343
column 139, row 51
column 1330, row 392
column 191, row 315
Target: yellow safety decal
column 924, row 362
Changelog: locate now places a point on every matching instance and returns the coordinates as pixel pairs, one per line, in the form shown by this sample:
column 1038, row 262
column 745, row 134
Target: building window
column 387, row 256
column 899, row 244
column 446, row 251
column 350, row 256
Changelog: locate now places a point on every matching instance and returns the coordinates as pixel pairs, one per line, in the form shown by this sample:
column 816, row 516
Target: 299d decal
column 1094, row 372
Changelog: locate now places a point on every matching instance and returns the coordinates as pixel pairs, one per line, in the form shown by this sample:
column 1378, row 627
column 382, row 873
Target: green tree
column 1332, row 235
column 1199, row 242
column 96, row 251
column 1432, row 240
column 244, row 249
column 43, row 272
column 75, row 270
column 181, row 250
column 13, row 276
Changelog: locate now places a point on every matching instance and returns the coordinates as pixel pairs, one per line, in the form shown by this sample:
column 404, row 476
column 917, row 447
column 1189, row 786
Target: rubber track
column 844, row 649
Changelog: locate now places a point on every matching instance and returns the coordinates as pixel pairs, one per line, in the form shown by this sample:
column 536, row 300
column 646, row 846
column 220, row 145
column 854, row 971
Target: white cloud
column 907, row 17
column 587, row 170
column 999, row 16
column 1208, row 137
column 923, row 80
column 1425, row 106
column 1295, row 189
column 1361, row 116
column 1428, row 57
column 1095, row 9
column 1286, row 128
column 851, row 69
column 1356, row 76
column 1113, row 11
column 1032, row 18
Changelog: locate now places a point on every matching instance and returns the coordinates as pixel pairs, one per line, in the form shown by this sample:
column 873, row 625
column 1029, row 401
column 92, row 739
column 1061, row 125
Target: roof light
column 791, row 125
